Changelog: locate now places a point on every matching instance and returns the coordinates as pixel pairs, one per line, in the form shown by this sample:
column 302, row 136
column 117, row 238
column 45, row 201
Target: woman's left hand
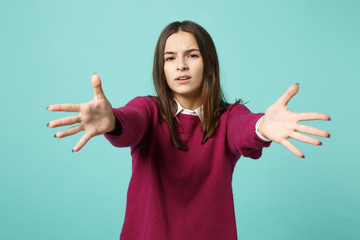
column 280, row 123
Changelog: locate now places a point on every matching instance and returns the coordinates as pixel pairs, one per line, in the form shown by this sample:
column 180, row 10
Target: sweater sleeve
column 241, row 134
column 135, row 121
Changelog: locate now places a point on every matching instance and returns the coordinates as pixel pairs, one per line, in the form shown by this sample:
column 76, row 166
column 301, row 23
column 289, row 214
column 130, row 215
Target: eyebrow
column 187, row 51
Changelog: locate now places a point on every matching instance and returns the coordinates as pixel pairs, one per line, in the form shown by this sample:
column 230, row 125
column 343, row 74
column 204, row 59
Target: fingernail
column 329, row 136
column 47, row 108
column 330, row 119
column 303, row 156
column 55, row 136
column 48, row 124
column 297, row 83
column 94, row 73
column 73, row 150
column 320, row 144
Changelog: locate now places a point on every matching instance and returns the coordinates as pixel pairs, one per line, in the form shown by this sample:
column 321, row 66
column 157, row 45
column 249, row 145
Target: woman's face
column 183, row 66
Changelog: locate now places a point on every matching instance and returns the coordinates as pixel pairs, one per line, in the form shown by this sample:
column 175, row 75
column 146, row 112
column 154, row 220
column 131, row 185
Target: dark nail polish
column 72, row 150
column 303, row 156
column 330, row 119
column 55, row 136
column 329, row 136
column 320, row 144
column 94, row 73
column 47, row 124
column 297, row 83
column 47, row 108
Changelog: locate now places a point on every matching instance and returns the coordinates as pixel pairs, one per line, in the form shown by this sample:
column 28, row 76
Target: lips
column 182, row 78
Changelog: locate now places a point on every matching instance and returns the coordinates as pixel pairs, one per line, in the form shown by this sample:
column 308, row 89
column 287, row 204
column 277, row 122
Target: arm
column 242, row 138
column 134, row 121
column 279, row 124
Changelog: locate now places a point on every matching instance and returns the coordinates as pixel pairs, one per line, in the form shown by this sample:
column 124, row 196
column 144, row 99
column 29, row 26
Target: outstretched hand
column 280, row 123
column 95, row 117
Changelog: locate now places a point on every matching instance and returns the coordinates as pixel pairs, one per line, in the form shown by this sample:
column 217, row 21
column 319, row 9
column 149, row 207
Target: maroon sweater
column 176, row 194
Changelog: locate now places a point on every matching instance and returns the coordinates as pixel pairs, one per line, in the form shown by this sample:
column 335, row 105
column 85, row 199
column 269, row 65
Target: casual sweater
column 179, row 194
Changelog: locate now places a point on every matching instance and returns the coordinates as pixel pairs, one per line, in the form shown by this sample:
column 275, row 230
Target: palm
column 280, row 123
column 95, row 117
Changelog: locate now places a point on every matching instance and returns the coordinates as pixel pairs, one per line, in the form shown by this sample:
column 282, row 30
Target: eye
column 193, row 56
column 169, row 58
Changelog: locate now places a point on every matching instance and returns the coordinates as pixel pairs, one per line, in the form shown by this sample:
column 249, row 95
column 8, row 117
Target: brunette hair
column 212, row 98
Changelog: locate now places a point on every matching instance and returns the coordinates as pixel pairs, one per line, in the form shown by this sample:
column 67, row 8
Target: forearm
column 131, row 123
column 116, row 129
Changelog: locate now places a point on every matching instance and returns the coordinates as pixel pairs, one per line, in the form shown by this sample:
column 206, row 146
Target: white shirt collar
column 196, row 112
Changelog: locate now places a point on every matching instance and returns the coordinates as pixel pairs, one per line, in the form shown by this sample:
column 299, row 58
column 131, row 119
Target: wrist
column 116, row 126
column 258, row 129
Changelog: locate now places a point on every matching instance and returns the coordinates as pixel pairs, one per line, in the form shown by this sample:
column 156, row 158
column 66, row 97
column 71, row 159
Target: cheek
column 168, row 68
column 166, row 73
column 199, row 70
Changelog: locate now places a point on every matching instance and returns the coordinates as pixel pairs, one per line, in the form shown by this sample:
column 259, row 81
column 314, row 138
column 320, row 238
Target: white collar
column 196, row 112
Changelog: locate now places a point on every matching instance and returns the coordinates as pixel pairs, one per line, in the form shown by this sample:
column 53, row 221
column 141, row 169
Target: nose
column 182, row 66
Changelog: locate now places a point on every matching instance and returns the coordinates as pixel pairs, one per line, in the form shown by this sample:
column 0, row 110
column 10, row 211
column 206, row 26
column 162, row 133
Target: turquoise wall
column 49, row 50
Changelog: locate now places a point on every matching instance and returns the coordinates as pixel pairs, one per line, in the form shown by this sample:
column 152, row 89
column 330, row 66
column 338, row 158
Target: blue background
column 49, row 50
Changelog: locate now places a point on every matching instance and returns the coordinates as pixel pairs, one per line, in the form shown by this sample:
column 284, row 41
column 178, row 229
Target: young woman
column 186, row 141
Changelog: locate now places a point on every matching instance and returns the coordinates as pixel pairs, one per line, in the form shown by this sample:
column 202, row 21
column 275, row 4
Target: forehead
column 180, row 41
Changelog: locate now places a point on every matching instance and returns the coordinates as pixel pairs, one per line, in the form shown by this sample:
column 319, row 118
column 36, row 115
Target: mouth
column 182, row 78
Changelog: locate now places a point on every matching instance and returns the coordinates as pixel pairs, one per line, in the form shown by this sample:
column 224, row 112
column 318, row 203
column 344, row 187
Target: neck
column 188, row 103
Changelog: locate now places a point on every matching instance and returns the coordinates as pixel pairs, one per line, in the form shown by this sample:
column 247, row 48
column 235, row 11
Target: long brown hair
column 212, row 98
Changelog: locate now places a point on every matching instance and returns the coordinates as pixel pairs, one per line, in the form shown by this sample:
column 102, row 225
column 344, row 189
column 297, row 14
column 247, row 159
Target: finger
column 292, row 148
column 64, row 121
column 306, row 139
column 291, row 92
column 83, row 140
column 309, row 116
column 69, row 132
column 96, row 82
column 66, row 107
column 312, row 131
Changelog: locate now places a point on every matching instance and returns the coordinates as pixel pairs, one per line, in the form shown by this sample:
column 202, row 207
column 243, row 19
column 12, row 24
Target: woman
column 186, row 141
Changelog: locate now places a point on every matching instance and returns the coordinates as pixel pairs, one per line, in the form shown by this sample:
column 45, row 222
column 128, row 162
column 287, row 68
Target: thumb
column 96, row 82
column 290, row 93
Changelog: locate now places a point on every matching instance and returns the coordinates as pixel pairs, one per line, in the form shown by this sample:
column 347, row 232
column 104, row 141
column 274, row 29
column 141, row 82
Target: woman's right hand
column 95, row 117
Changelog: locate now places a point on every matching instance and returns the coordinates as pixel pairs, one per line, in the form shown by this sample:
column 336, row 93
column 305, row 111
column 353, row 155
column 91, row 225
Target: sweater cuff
column 117, row 129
